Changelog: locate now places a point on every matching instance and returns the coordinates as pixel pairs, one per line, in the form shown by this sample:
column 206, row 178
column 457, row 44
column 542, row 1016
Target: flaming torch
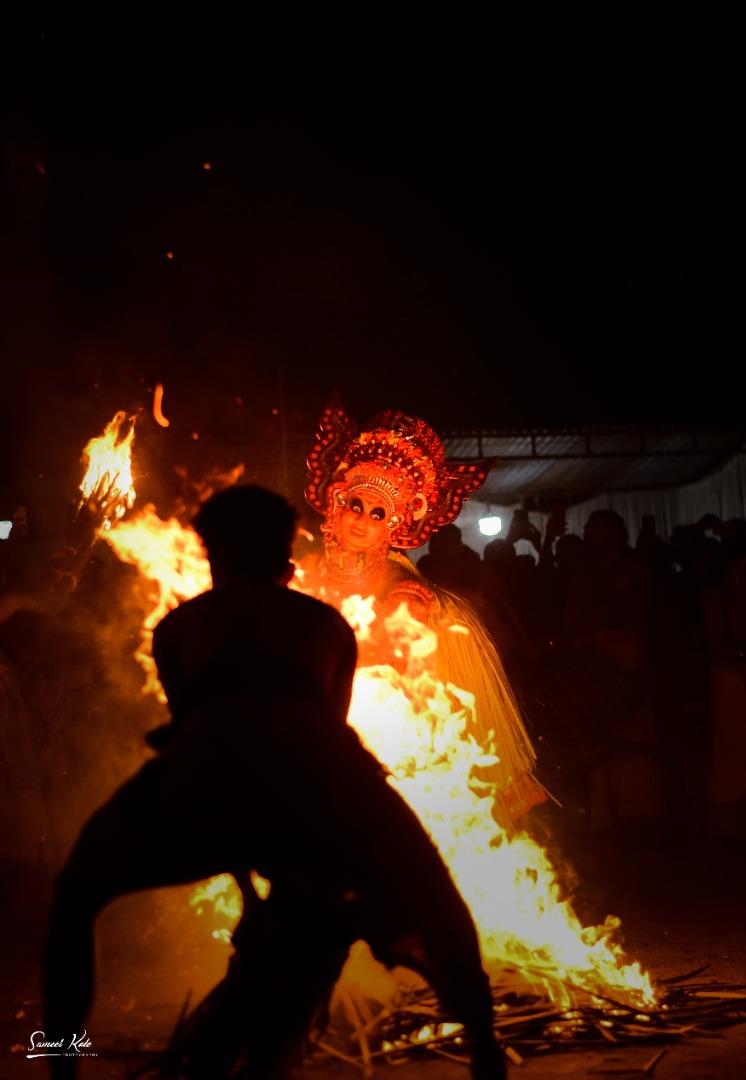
column 108, row 477
column 106, row 489
column 106, row 492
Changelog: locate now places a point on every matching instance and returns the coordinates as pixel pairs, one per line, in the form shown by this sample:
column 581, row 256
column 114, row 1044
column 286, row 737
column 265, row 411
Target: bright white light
column 5, row 527
column 490, row 526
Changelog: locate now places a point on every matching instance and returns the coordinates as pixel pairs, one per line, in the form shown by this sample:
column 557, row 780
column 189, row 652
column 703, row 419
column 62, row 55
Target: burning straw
column 530, row 1025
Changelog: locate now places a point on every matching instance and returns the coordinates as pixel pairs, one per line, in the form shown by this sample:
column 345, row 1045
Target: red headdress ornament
column 402, row 460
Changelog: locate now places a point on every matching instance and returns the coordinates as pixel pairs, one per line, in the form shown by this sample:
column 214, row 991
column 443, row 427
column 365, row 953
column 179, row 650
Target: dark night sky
column 413, row 220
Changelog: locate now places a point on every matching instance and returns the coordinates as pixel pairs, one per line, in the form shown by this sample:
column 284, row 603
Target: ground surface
column 681, row 907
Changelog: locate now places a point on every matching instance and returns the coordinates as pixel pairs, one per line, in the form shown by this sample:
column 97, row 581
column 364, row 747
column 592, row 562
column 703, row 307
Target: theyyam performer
column 384, row 489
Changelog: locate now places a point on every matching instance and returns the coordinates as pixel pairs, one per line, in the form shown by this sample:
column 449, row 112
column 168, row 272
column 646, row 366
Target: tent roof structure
column 570, row 465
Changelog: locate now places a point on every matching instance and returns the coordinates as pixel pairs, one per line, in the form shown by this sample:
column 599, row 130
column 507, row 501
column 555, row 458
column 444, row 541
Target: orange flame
column 108, row 462
column 171, row 558
column 416, row 726
column 157, row 407
column 219, row 896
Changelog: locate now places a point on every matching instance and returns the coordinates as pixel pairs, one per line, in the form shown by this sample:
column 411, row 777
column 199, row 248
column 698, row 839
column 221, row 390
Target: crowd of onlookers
column 628, row 661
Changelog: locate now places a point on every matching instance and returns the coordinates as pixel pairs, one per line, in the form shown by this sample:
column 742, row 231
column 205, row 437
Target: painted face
column 363, row 523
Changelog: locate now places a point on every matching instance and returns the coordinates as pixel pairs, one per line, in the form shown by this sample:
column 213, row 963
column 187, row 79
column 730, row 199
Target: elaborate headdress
column 401, row 460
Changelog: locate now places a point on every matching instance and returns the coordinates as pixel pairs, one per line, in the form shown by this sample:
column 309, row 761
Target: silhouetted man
column 259, row 770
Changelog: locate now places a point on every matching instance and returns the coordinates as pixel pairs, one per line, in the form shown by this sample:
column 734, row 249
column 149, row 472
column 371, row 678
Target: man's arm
column 165, row 637
column 168, row 674
column 341, row 692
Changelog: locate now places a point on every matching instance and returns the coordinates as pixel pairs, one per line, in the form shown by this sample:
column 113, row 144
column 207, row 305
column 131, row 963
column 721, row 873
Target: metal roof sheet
column 571, row 465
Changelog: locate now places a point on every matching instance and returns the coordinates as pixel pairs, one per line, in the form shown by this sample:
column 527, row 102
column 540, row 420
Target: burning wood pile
column 531, row 1025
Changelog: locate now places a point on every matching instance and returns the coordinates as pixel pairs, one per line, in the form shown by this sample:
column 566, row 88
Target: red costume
column 385, row 488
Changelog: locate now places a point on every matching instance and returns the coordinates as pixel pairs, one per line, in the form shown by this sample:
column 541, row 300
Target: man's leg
column 412, row 896
column 288, row 988
column 131, row 843
column 457, row 976
column 290, row 951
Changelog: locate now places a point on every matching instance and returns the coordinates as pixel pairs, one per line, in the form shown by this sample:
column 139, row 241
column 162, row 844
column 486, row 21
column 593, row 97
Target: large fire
column 417, row 726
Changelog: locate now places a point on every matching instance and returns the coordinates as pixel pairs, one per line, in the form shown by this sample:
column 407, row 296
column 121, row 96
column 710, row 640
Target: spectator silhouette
column 499, row 555
column 499, row 589
column 650, row 547
column 557, row 577
column 450, row 563
column 568, row 556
